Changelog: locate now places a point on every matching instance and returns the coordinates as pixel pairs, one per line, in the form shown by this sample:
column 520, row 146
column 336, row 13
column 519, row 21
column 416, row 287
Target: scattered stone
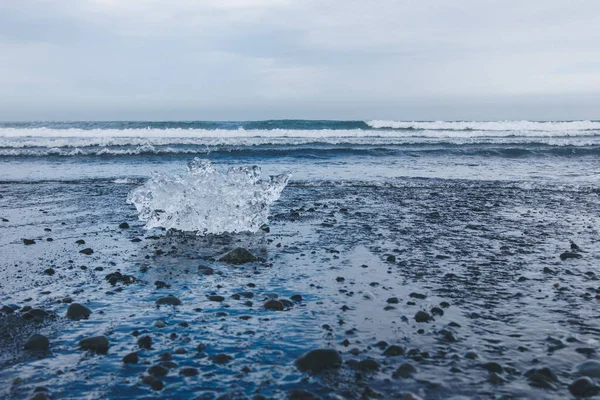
column 368, row 365
column 168, row 301
column 391, row 258
column 80, row 241
column 155, row 384
column 131, row 358
column 238, row 256
column 495, row 379
column 7, row 310
column 418, row 296
column 589, row 368
column 145, row 342
column 204, row 270
column 221, row 358
column 422, row 316
column 319, row 360
column 584, row 387
column 274, row 305
column 471, row 355
column 157, row 371
column 216, row 298
column 124, row 225
column 340, row 279
column 87, row 251
column 28, row 242
column 188, row 371
column 542, row 377
column 437, row 311
column 394, row 351
column 161, row 285
column 493, row 367
column 37, row 342
column 404, row 371
column 78, row 311
column 115, row 277
column 569, row 254
column 97, row 344
column 393, row 300
column 49, row 271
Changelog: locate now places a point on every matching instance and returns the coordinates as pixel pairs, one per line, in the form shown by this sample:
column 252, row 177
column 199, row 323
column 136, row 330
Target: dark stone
column 340, row 279
column 404, row 371
column 297, row 298
column 319, row 360
column 437, row 311
column 221, row 358
column 145, row 342
column 204, row 270
column 542, row 378
column 49, row 271
column 87, row 251
column 97, row 344
column 216, row 298
column 368, row 365
column 131, row 358
column 77, row 311
column 169, row 301
column 393, row 300
column 584, row 387
column 493, row 367
column 161, row 285
column 394, row 351
column 274, row 305
column 418, row 296
column 80, row 241
column 37, row 342
column 28, row 242
column 157, row 371
column 422, row 316
column 124, row 225
column 188, row 371
column 7, row 310
column 569, row 254
column 391, row 259
column 154, row 383
column 238, row 256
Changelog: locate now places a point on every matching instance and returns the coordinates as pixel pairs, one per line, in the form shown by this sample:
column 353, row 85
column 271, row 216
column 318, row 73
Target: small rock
column 391, row 258
column 28, row 242
column 169, row 301
column 77, row 311
column 216, row 298
column 131, row 358
column 404, row 371
column 87, row 251
column 589, row 368
column 569, row 254
column 393, row 300
column 493, row 367
column 584, row 387
column 80, row 241
column 188, row 371
column 274, row 305
column 161, row 285
column 204, row 270
column 368, row 365
column 221, row 358
column 394, row 351
column 542, row 378
column 238, row 256
column 422, row 316
column 157, row 371
column 124, row 225
column 37, row 342
column 319, row 360
column 49, row 271
column 145, row 342
column 297, row 298
column 98, row 344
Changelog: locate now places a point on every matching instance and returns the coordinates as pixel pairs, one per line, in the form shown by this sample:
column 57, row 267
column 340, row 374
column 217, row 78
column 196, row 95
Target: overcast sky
column 329, row 59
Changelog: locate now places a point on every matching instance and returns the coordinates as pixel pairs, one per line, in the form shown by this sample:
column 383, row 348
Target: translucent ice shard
column 206, row 200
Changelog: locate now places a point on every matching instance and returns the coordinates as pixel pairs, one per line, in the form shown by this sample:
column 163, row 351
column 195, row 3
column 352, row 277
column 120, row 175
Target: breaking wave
column 207, row 200
column 514, row 126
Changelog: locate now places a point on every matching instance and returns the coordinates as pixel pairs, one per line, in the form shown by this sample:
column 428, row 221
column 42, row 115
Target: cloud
column 296, row 58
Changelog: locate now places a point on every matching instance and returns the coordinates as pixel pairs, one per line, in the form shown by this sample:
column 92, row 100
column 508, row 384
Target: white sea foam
column 206, row 200
column 514, row 126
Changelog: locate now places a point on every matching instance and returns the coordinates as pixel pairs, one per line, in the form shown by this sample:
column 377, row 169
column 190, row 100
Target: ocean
column 440, row 259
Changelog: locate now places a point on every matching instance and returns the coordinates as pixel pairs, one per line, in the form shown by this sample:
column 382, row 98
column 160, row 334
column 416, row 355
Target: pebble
column 145, row 342
column 216, row 298
column 169, row 301
column 319, row 360
column 422, row 316
column 404, row 371
column 188, row 371
column 131, row 358
column 204, row 270
column 49, row 271
column 28, row 242
column 589, row 368
column 238, row 256
column 221, row 358
column 124, row 225
column 274, row 305
column 78, row 311
column 542, row 377
column 584, row 387
column 394, row 351
column 37, row 342
column 87, row 251
column 98, row 344
column 493, row 367
column 157, row 371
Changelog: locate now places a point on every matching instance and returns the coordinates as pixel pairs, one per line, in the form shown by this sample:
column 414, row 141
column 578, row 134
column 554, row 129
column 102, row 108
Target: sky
column 312, row 59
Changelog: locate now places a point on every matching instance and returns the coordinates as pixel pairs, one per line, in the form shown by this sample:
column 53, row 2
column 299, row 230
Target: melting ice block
column 206, row 200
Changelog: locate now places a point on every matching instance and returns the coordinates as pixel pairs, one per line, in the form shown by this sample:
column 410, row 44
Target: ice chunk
column 206, row 200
